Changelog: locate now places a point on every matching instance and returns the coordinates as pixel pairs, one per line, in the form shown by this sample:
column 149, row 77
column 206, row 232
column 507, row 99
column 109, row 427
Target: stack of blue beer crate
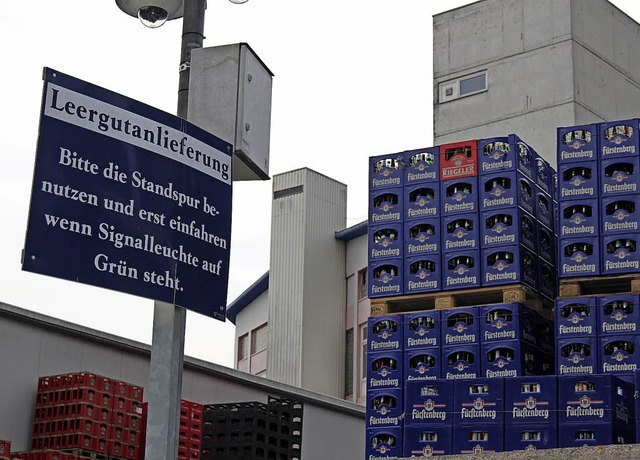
column 598, row 335
column 385, row 387
column 576, row 335
column 435, row 378
column 463, row 215
column 418, row 405
column 516, row 214
column 598, row 207
column 595, row 410
column 598, row 217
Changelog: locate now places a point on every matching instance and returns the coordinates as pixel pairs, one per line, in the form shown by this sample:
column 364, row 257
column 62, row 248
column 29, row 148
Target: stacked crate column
column 385, row 381
column 479, row 415
column 422, row 270
column 576, row 320
column 429, row 418
column 531, row 413
column 595, row 410
column 619, row 334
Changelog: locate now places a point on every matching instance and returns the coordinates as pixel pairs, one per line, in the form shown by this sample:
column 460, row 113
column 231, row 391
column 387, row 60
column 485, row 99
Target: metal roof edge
column 195, row 364
column 353, row 232
column 249, row 295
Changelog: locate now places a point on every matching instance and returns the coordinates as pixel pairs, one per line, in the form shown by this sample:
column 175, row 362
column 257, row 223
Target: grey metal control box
column 230, row 97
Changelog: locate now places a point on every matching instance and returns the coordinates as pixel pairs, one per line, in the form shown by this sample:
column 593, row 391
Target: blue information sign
column 130, row 198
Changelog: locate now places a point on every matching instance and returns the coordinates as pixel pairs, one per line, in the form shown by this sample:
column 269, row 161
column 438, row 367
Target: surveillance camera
column 153, row 16
column 152, row 13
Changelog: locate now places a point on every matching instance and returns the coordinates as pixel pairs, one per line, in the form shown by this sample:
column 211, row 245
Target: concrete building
column 499, row 67
column 529, row 66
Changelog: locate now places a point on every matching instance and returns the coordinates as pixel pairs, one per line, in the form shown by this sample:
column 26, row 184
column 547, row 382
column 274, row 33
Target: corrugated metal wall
column 324, row 322
column 307, row 282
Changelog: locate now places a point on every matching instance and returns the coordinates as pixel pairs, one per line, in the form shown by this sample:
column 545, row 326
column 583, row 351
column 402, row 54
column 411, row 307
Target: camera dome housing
column 151, row 10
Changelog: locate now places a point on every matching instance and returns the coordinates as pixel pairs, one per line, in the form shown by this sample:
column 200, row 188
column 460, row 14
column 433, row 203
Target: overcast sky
column 352, row 79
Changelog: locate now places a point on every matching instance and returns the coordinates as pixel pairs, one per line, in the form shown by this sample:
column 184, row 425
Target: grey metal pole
column 192, row 38
column 169, row 322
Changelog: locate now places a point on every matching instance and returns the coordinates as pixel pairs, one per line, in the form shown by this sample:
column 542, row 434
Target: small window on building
column 259, row 339
column 463, row 86
column 348, row 364
column 243, row 347
column 473, row 84
column 362, row 284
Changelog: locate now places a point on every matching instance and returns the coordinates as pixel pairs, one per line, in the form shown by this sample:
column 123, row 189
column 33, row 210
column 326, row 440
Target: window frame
column 453, row 86
column 253, row 346
column 243, row 347
column 363, row 288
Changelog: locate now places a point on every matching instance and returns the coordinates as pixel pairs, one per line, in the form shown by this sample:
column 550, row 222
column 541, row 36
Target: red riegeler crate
column 123, row 404
column 194, row 445
column 136, row 393
column 196, row 412
column 134, row 437
column 86, row 410
column 43, row 413
column 120, row 418
column 137, row 407
column 118, row 448
column 195, row 433
column 50, row 383
column 123, row 389
column 126, row 435
column 108, row 385
column 81, row 395
column 88, row 380
column 85, row 426
column 137, row 422
column 132, row 452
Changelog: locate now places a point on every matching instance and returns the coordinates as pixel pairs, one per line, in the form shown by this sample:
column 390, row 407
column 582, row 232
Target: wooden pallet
column 599, row 285
column 443, row 300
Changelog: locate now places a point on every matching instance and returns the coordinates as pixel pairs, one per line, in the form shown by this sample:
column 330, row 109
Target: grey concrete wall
column 32, row 345
column 490, row 30
column 549, row 63
column 521, row 98
column 526, row 49
column 606, row 64
column 606, row 31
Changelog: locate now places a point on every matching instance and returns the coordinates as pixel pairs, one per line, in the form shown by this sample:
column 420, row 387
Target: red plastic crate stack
column 46, row 455
column 5, row 449
column 88, row 412
column 190, row 435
